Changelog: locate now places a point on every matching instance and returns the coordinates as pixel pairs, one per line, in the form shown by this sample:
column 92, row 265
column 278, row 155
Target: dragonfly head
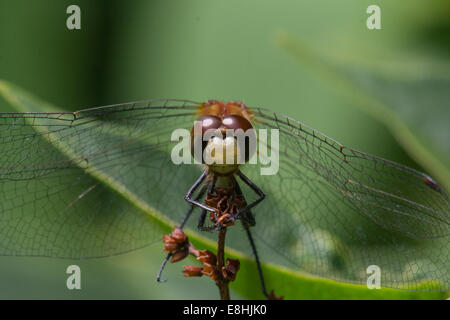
column 221, row 139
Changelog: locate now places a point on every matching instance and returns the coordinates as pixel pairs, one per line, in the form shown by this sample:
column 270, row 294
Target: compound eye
column 236, row 122
column 210, row 122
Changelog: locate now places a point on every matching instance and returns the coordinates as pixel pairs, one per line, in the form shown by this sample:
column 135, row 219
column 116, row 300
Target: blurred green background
column 225, row 50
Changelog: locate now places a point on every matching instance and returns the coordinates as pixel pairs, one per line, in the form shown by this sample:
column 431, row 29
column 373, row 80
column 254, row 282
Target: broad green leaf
column 410, row 98
column 128, row 203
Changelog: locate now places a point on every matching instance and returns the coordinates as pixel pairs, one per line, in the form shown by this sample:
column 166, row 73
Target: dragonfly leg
column 201, row 220
column 258, row 263
column 183, row 222
column 248, row 221
column 158, row 277
column 191, row 208
column 192, row 189
column 255, row 188
column 246, row 216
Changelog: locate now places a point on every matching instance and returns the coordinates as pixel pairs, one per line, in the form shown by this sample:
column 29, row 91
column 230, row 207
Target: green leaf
column 411, row 98
column 285, row 282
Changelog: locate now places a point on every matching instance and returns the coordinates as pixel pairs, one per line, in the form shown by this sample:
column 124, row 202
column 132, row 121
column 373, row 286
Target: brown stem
column 221, row 282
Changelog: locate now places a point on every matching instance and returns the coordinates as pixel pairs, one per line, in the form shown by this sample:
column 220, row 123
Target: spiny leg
column 246, row 216
column 201, row 220
column 163, row 265
column 255, row 188
column 183, row 222
column 258, row 263
column 247, row 221
column 195, row 202
column 191, row 208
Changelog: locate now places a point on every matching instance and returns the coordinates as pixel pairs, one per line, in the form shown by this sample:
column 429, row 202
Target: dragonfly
column 100, row 182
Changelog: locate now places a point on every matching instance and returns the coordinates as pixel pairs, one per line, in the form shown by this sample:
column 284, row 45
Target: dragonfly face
column 96, row 182
column 224, row 122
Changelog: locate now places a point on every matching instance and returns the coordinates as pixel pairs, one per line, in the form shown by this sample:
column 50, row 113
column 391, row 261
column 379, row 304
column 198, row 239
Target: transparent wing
column 334, row 211
column 57, row 170
column 330, row 210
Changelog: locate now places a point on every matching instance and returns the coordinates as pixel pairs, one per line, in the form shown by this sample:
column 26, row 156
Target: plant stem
column 221, row 282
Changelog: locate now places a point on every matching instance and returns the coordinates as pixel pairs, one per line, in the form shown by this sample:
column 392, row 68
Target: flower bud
column 230, row 269
column 192, row 271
